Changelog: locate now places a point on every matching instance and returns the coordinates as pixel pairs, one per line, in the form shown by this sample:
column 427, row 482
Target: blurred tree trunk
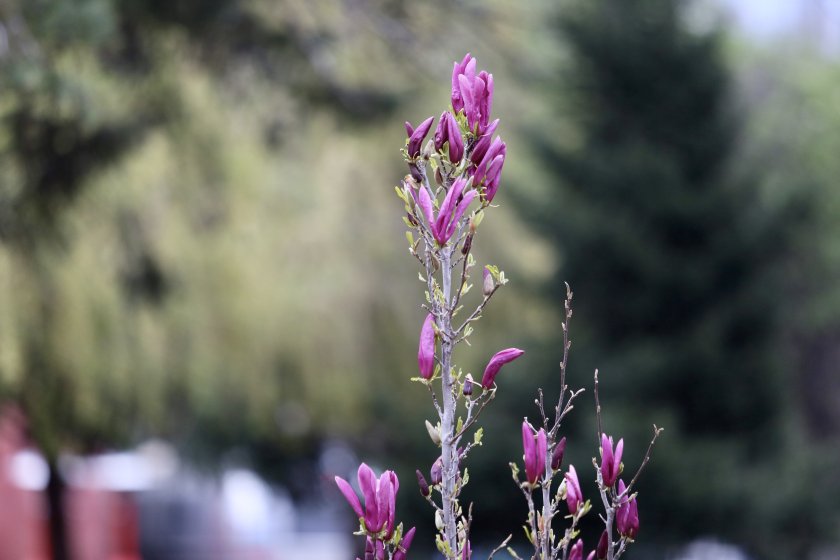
column 58, row 520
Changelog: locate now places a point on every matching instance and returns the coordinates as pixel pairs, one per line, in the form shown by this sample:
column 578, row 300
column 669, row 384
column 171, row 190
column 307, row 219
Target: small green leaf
column 478, row 218
column 479, row 433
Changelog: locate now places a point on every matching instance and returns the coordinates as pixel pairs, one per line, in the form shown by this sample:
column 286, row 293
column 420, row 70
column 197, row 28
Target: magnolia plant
column 453, row 179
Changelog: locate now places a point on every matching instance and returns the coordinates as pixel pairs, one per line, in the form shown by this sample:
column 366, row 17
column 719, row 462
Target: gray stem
column 449, row 443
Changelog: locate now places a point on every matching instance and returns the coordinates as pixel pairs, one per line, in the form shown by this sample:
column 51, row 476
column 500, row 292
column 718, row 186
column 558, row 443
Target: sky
column 771, row 20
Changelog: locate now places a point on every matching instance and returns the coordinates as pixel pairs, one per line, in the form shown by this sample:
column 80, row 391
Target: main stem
column 449, row 444
column 547, row 513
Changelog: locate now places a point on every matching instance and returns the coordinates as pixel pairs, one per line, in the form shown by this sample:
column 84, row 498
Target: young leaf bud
column 433, row 433
column 489, row 283
column 436, row 473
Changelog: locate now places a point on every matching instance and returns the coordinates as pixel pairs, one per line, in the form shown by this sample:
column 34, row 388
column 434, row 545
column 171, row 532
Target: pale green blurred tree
column 193, row 196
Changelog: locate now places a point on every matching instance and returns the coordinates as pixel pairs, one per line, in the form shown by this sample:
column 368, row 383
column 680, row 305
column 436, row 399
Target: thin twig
column 565, row 362
column 478, row 309
column 656, row 432
column 598, row 409
column 500, row 547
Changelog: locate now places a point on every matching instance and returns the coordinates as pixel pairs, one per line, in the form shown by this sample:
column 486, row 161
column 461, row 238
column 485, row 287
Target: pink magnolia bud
column 557, row 454
column 488, row 171
column 460, row 68
column 426, row 350
column 483, row 143
column 456, row 142
column 499, row 359
column 486, row 102
column 610, row 462
column 404, row 545
column 417, row 135
column 576, row 553
column 451, row 211
column 389, row 485
column 441, row 132
column 574, row 497
column 627, row 516
column 448, row 131
column 534, row 452
column 468, row 385
column 472, row 94
column 603, row 546
column 424, row 486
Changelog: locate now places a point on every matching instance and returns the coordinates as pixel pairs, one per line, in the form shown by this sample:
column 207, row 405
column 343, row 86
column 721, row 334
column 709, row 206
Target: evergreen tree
column 671, row 255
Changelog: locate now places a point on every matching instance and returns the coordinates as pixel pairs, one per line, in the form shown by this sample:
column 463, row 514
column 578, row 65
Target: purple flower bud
column 424, row 486
column 367, row 482
column 380, row 550
column 483, row 143
column 426, row 350
column 499, row 359
column 436, row 473
column 591, row 556
column 493, row 177
column 389, row 485
column 451, row 211
column 627, row 516
column 424, row 202
column 448, row 131
column 488, row 282
column 380, row 499
column 486, row 102
column 472, row 91
column 534, row 452
column 456, row 143
column 468, row 385
column 603, row 546
column 576, row 553
column 610, row 462
column 574, row 497
column 441, row 132
column 459, row 69
column 557, row 454
column 472, row 94
column 404, row 545
column 488, row 171
column 417, row 135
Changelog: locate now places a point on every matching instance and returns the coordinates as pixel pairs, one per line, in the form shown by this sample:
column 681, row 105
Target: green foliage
column 674, row 256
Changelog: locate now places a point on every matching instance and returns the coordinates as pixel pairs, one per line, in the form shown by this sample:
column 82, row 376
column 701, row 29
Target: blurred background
column 207, row 310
